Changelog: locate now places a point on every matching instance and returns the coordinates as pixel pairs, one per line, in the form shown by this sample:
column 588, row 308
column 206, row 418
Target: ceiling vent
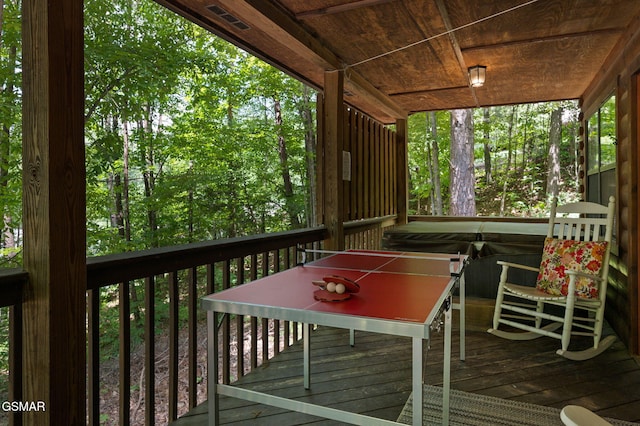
column 223, row 14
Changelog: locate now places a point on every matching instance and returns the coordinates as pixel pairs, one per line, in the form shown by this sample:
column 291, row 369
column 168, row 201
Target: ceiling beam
column 444, row 14
column 340, row 8
column 428, row 91
column 271, row 20
column 553, row 38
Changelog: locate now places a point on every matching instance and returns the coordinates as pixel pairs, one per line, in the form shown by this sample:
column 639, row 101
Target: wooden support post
column 402, row 170
column 332, row 136
column 54, row 310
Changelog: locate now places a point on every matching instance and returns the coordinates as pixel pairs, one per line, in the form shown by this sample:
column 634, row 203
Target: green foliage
column 196, row 116
column 10, row 135
column 518, row 142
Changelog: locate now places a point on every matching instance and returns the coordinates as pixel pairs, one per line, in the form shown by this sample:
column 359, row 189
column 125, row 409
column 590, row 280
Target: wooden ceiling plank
column 340, row 8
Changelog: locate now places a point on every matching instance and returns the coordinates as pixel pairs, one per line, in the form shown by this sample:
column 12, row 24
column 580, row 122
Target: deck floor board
column 374, row 377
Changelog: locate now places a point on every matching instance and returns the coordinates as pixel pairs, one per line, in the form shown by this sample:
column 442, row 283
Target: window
column 601, row 153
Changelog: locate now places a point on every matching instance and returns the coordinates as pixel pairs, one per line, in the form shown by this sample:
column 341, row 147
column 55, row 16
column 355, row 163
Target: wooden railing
column 154, row 299
column 12, row 282
column 366, row 234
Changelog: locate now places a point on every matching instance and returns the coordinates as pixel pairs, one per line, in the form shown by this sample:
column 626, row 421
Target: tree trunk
column 124, row 223
column 488, row 178
column 526, row 139
column 125, row 182
column 435, row 163
column 432, row 192
column 8, row 239
column 190, row 203
column 290, row 204
column 507, row 169
column 553, row 161
column 149, row 177
column 462, row 177
column 117, row 213
column 310, row 149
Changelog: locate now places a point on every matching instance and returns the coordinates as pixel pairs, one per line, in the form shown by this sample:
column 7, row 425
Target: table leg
column 446, row 379
column 417, row 380
column 212, row 369
column 306, row 336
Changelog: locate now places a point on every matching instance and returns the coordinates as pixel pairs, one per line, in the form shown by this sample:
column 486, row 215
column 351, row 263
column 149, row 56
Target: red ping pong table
column 401, row 293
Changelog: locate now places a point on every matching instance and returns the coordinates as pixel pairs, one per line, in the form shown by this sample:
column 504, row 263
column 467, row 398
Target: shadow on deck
column 374, row 377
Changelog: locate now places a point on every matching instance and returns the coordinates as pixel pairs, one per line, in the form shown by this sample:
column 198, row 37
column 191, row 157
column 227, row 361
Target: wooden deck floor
column 374, row 378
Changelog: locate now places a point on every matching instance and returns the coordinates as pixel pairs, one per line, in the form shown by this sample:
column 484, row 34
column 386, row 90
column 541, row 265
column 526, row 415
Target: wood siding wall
column 372, row 190
column 619, row 76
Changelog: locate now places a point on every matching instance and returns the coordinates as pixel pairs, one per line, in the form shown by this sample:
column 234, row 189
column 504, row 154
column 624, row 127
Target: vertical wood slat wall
column 371, row 192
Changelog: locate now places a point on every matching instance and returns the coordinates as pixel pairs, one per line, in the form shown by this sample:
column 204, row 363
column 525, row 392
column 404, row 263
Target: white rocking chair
column 572, row 276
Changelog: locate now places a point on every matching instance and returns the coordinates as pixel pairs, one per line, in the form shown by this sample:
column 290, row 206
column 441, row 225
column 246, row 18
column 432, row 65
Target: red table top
column 405, row 288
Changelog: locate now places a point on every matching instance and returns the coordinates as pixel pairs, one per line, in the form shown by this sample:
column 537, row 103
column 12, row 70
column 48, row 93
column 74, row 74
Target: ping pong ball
column 331, row 287
column 340, row 288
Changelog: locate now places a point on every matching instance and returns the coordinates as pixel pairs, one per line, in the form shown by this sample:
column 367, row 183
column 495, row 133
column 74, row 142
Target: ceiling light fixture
column 477, row 75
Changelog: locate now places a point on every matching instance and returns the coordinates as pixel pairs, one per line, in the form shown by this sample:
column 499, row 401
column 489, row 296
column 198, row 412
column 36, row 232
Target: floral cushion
column 560, row 256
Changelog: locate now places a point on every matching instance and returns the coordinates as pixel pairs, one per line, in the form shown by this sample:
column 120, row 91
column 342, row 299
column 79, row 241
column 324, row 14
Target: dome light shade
column 477, row 75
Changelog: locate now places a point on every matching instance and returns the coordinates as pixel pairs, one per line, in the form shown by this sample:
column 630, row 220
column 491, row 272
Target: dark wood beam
column 54, row 309
column 402, row 170
column 444, row 14
column 340, row 8
column 422, row 92
column 548, row 39
column 333, row 142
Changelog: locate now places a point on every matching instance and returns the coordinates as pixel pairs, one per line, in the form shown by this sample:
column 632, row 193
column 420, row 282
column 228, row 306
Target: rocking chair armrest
column 580, row 274
column 518, row 266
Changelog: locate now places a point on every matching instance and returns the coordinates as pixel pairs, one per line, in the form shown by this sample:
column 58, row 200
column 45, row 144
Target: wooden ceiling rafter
column 444, row 14
column 340, row 8
column 426, row 91
column 552, row 38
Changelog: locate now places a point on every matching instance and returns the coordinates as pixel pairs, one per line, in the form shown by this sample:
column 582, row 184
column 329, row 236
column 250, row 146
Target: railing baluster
column 150, row 350
column 240, row 322
column 276, row 323
column 174, row 300
column 287, row 324
column 226, row 327
column 193, row 337
column 93, row 356
column 265, row 321
column 253, row 274
column 211, row 272
column 15, row 361
column 124, row 296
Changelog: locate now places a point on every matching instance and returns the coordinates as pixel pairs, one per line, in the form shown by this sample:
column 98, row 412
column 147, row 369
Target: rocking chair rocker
column 572, row 277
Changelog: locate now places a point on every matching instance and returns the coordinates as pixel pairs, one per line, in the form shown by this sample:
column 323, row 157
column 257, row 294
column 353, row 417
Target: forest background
column 188, row 138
